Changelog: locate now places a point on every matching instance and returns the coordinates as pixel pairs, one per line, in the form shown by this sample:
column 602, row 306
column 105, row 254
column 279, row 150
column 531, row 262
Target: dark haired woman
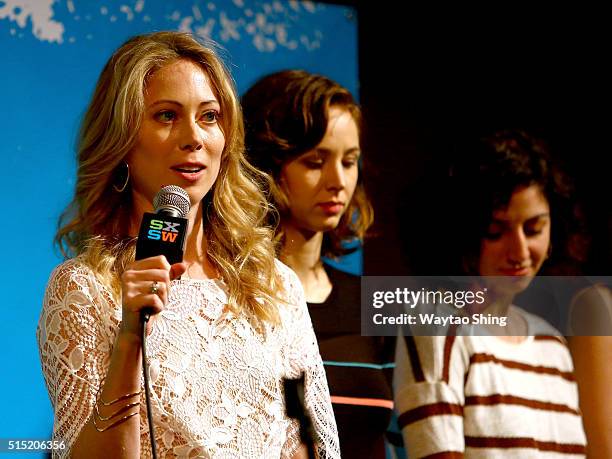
column 511, row 395
column 304, row 130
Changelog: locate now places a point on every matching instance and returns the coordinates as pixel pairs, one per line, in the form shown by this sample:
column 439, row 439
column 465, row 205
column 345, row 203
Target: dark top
column 359, row 368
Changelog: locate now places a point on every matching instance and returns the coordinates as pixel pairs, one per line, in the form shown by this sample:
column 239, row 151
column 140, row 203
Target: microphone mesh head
column 172, row 200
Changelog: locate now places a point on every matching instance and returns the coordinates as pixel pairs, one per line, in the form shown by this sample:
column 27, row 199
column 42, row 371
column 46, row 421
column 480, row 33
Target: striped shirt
column 480, row 396
column 358, row 368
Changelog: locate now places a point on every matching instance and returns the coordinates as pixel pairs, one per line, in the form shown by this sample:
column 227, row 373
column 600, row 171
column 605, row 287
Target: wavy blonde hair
column 96, row 223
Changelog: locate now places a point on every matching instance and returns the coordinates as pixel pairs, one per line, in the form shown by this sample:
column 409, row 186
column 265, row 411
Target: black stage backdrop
column 431, row 74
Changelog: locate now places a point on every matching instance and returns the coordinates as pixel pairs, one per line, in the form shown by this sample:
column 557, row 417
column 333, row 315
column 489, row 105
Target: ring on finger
column 154, row 288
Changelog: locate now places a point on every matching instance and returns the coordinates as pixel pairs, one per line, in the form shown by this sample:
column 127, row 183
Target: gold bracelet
column 119, row 411
column 123, row 419
column 118, row 399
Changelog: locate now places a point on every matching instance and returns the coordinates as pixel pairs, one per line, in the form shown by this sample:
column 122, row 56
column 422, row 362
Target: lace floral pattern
column 216, row 381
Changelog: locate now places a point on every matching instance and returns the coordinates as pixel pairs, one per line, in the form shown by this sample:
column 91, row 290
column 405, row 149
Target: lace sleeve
column 304, row 357
column 77, row 327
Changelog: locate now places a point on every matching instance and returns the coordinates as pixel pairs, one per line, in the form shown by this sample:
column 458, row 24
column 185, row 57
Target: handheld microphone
column 295, row 407
column 164, row 231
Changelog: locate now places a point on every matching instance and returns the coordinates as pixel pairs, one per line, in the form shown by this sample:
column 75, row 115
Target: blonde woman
column 224, row 334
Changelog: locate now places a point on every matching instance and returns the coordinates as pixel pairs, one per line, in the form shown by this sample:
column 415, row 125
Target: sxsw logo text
column 166, row 231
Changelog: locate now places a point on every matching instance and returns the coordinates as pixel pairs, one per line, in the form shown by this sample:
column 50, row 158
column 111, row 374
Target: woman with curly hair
column 228, row 323
column 506, row 388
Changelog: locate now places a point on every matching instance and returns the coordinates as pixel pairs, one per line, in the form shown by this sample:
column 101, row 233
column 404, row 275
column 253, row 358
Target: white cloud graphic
column 40, row 12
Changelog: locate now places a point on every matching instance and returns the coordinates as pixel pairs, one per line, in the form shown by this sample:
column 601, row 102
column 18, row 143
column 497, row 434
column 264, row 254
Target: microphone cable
column 145, row 372
column 171, row 205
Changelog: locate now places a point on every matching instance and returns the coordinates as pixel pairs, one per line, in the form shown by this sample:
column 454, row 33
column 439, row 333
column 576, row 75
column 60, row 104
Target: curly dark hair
column 484, row 177
column 286, row 115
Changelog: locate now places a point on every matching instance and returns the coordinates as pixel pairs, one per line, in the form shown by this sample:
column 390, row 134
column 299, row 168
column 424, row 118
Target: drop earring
column 121, row 189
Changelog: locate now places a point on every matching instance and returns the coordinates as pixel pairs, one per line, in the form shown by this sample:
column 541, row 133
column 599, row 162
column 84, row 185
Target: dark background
column 431, row 75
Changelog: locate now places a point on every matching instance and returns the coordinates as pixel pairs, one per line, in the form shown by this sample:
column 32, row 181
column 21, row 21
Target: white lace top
column 216, row 382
